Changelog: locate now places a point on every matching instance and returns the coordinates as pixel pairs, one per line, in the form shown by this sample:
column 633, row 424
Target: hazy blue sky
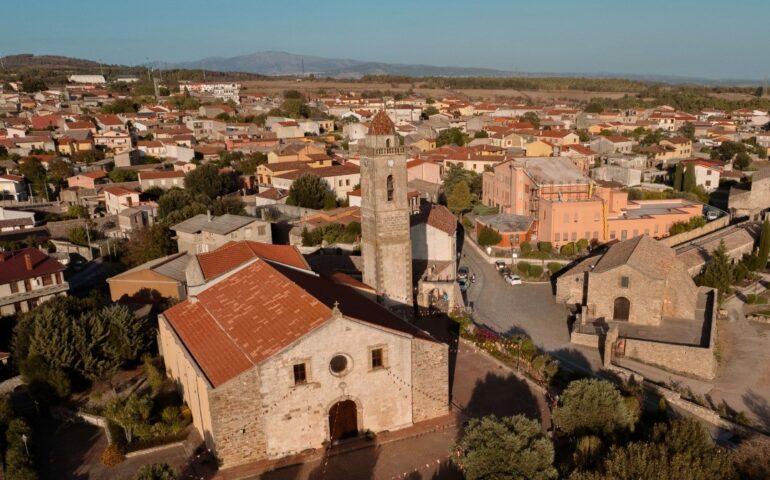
column 708, row 38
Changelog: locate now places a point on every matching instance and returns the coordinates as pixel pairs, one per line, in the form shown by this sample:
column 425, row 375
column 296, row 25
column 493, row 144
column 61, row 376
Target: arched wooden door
column 343, row 420
column 621, row 309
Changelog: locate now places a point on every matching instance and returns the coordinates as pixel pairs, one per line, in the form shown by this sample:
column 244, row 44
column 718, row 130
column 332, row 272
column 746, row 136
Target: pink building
column 424, row 170
column 88, row 179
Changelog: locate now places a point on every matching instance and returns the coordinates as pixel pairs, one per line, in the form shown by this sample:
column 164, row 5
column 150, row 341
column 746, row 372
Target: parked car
column 499, row 265
column 712, row 215
column 462, row 273
column 513, row 279
column 505, row 271
column 463, row 284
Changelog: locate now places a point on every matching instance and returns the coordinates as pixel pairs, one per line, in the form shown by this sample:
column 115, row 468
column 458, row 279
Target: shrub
column 153, row 375
column 568, row 249
column 523, row 267
column 526, row 248
column 554, row 267
column 488, row 237
column 111, row 456
column 535, row 271
column 545, row 247
column 582, row 244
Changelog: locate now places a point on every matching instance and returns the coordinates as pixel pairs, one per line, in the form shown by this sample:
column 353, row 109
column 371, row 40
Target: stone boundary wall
column 584, row 339
column 67, row 415
column 690, row 360
column 683, row 237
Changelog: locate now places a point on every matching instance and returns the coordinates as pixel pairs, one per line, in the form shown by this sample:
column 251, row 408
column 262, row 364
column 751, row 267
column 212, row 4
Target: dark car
column 463, row 284
column 505, row 271
column 462, row 273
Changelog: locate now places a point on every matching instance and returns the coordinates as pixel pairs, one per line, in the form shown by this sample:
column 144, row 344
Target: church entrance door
column 343, row 420
column 621, row 309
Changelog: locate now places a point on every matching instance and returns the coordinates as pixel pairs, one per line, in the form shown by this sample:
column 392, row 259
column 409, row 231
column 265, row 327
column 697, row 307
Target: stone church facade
column 275, row 360
column 385, row 232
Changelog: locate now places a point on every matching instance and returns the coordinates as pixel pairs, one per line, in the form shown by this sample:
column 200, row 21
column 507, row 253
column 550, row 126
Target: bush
column 535, row 271
column 488, row 237
column 523, row 267
column 582, row 245
column 153, row 375
column 568, row 249
column 111, row 456
column 545, row 247
column 755, row 299
column 526, row 248
column 155, row 471
column 554, row 267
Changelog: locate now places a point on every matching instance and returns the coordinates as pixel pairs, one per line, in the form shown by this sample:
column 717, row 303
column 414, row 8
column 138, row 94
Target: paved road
column 529, row 308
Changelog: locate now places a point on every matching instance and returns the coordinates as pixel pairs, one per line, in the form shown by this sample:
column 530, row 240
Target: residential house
column 205, row 233
column 88, row 179
column 340, row 178
column 13, row 220
column 164, row 179
column 119, row 198
column 612, row 144
column 28, row 277
column 707, row 172
column 13, row 187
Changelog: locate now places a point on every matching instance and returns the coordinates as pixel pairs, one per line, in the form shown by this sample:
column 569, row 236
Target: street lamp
column 24, row 439
column 514, row 256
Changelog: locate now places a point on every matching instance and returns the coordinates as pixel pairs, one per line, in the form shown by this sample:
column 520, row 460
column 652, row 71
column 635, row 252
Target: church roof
column 382, row 124
column 251, row 315
column 642, row 253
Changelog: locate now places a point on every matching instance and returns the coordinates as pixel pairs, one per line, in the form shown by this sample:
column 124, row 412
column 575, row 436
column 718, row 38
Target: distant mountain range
column 283, row 63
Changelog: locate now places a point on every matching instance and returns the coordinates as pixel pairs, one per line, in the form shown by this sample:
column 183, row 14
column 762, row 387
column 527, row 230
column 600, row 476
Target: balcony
column 35, row 293
column 380, row 152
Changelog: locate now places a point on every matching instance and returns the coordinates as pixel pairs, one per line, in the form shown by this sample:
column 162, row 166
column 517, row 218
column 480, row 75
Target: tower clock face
column 390, row 162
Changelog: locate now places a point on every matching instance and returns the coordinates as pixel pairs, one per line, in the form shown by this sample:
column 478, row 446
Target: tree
column 177, row 205
column 689, row 183
column 19, row 465
column 229, row 204
column 431, row 110
column 764, row 246
column 761, row 151
column 752, row 459
column 679, row 176
column 508, row 448
column 592, row 406
column 31, row 85
column 156, row 471
column 206, row 180
column 88, row 156
column 718, row 272
column 451, row 136
column 488, row 237
column 742, row 161
column 330, row 201
column 80, row 235
column 59, row 170
column 532, row 118
column 129, row 336
column 481, row 134
column 120, row 175
column 131, row 413
column 34, row 171
column 594, row 107
column 149, row 243
column 458, row 198
column 308, row 191
column 688, row 130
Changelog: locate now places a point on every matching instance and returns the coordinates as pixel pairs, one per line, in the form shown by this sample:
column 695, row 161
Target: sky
column 704, row 38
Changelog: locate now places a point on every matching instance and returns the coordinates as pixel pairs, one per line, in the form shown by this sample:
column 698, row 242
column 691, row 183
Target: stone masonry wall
column 430, row 380
column 237, row 411
column 645, row 294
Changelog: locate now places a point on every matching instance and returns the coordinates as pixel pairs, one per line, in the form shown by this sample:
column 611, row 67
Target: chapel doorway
column 621, row 309
column 343, row 420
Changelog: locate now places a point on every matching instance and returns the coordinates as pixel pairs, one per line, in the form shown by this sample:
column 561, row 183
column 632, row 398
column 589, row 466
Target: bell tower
column 386, row 246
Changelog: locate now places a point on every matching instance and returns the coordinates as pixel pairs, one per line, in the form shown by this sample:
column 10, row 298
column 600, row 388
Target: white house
column 707, row 172
column 13, row 186
column 118, row 198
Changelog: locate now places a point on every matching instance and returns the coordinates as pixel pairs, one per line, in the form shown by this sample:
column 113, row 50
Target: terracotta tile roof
column 119, row 191
column 239, row 322
column 323, row 172
column 382, row 124
column 13, row 266
column 233, row 254
column 96, row 174
column 437, row 216
column 12, row 178
column 642, row 253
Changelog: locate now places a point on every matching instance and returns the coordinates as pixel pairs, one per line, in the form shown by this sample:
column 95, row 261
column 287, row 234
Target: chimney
column 28, row 261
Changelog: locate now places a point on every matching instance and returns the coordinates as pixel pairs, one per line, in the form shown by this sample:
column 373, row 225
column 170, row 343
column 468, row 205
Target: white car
column 513, row 279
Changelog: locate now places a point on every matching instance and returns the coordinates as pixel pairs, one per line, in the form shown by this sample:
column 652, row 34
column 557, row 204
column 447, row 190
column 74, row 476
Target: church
column 274, row 359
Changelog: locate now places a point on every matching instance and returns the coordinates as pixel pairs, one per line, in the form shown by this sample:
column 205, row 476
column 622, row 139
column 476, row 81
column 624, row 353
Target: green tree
column 79, row 235
column 508, row 448
column 308, row 191
column 458, row 198
column 592, row 406
column 481, row 134
column 77, row 211
column 761, row 152
column 717, row 272
column 177, row 205
column 156, row 471
column 59, row 171
column 19, row 465
column 129, row 336
column 742, row 161
column 594, row 107
column 32, row 85
column 451, row 136
column 430, row 110
column 532, row 118
column 689, row 182
column 752, row 459
column 120, row 175
column 688, row 130
column 488, row 237
column 148, row 244
column 679, row 177
column 764, row 246
column 206, row 180
column 228, row 204
column 131, row 413
column 32, row 169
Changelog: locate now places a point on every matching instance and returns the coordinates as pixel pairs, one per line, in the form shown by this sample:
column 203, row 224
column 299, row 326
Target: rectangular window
column 596, row 235
column 300, row 375
column 624, row 234
column 624, row 282
column 377, row 358
column 612, row 235
column 574, row 236
column 557, row 237
column 261, row 230
column 14, row 287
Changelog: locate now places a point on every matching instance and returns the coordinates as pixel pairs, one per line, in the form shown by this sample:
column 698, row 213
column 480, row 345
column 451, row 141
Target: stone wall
column 644, row 293
column 430, row 380
column 237, row 414
column 688, row 360
column 683, row 237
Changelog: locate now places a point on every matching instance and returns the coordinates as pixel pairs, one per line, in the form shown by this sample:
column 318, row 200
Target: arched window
column 387, row 143
column 390, row 187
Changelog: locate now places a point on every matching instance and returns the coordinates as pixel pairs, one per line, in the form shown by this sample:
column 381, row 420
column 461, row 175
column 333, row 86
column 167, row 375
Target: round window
column 338, row 364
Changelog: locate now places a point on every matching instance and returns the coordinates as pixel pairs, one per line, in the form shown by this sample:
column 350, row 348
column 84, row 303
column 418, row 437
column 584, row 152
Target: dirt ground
column 316, row 86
